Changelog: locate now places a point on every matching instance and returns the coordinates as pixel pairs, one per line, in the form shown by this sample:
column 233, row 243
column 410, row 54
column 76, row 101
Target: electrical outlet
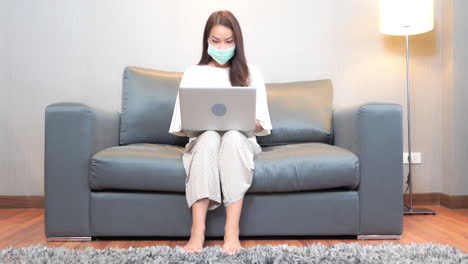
column 415, row 158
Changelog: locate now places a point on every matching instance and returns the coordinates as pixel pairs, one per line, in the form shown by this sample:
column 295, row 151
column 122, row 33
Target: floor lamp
column 404, row 18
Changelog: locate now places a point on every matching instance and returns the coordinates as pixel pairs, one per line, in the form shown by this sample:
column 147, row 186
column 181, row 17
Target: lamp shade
column 406, row 17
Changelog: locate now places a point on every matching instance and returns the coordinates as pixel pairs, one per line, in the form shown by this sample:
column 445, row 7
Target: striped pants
column 219, row 165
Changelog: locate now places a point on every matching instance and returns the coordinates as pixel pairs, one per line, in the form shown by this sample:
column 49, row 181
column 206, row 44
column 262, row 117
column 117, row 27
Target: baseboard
column 449, row 201
column 21, row 201
column 446, row 200
column 454, row 201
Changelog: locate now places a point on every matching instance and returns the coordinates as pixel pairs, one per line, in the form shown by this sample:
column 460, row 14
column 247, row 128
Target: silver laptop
column 220, row 109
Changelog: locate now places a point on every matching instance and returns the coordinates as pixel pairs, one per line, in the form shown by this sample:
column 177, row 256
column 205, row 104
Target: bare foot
column 231, row 241
column 195, row 244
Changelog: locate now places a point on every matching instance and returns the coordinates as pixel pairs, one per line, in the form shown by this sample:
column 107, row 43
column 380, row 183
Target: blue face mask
column 221, row 56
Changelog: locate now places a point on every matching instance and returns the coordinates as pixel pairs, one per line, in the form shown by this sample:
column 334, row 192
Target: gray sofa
column 322, row 171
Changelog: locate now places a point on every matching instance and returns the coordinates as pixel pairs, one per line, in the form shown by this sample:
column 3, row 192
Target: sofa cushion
column 148, row 98
column 140, row 166
column 299, row 112
column 304, row 167
column 285, row 168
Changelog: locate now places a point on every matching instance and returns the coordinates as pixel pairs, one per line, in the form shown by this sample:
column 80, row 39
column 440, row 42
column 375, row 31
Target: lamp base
column 419, row 211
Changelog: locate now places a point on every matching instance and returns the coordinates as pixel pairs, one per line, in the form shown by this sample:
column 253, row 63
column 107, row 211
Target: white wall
column 76, row 51
column 455, row 107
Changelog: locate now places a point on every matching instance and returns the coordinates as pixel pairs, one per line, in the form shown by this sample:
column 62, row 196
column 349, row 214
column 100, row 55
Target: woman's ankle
column 198, row 228
column 231, row 230
column 230, row 226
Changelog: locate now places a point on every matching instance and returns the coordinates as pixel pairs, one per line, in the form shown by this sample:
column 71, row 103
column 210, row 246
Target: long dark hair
column 239, row 71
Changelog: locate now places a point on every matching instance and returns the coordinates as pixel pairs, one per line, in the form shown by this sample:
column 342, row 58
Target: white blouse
column 211, row 76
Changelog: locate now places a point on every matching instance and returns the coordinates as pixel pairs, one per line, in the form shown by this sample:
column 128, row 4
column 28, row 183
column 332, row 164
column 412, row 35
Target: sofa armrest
column 73, row 133
column 374, row 133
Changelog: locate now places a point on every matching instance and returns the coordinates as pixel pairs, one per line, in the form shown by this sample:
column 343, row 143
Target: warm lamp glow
column 406, row 17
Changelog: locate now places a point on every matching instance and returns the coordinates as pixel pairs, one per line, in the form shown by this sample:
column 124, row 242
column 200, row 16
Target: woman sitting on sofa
column 217, row 161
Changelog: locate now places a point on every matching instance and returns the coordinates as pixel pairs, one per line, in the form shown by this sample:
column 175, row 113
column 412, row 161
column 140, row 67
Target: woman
column 220, row 162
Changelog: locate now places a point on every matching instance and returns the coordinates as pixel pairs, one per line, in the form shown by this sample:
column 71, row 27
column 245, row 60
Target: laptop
column 219, row 108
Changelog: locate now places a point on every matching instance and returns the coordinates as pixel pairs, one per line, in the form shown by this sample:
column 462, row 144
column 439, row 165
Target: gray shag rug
column 315, row 253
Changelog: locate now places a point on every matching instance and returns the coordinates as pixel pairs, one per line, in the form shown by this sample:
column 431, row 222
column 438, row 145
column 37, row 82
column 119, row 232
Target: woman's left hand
column 258, row 126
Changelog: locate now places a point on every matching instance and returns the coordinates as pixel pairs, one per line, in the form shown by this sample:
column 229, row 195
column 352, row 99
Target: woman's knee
column 210, row 133
column 232, row 135
column 209, row 139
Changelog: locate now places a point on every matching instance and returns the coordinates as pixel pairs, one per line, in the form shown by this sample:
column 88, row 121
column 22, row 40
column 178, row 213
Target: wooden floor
column 25, row 227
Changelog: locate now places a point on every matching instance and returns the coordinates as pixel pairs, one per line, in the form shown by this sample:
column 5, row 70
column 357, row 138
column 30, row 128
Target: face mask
column 221, row 56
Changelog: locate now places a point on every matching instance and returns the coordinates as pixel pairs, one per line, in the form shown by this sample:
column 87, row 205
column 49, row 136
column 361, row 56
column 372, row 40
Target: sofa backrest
column 148, row 98
column 299, row 111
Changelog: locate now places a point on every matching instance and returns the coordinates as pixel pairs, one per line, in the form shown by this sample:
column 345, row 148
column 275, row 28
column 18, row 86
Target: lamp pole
column 411, row 210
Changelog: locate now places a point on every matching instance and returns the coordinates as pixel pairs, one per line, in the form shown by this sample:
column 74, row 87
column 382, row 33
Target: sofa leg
column 69, row 239
column 368, row 237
